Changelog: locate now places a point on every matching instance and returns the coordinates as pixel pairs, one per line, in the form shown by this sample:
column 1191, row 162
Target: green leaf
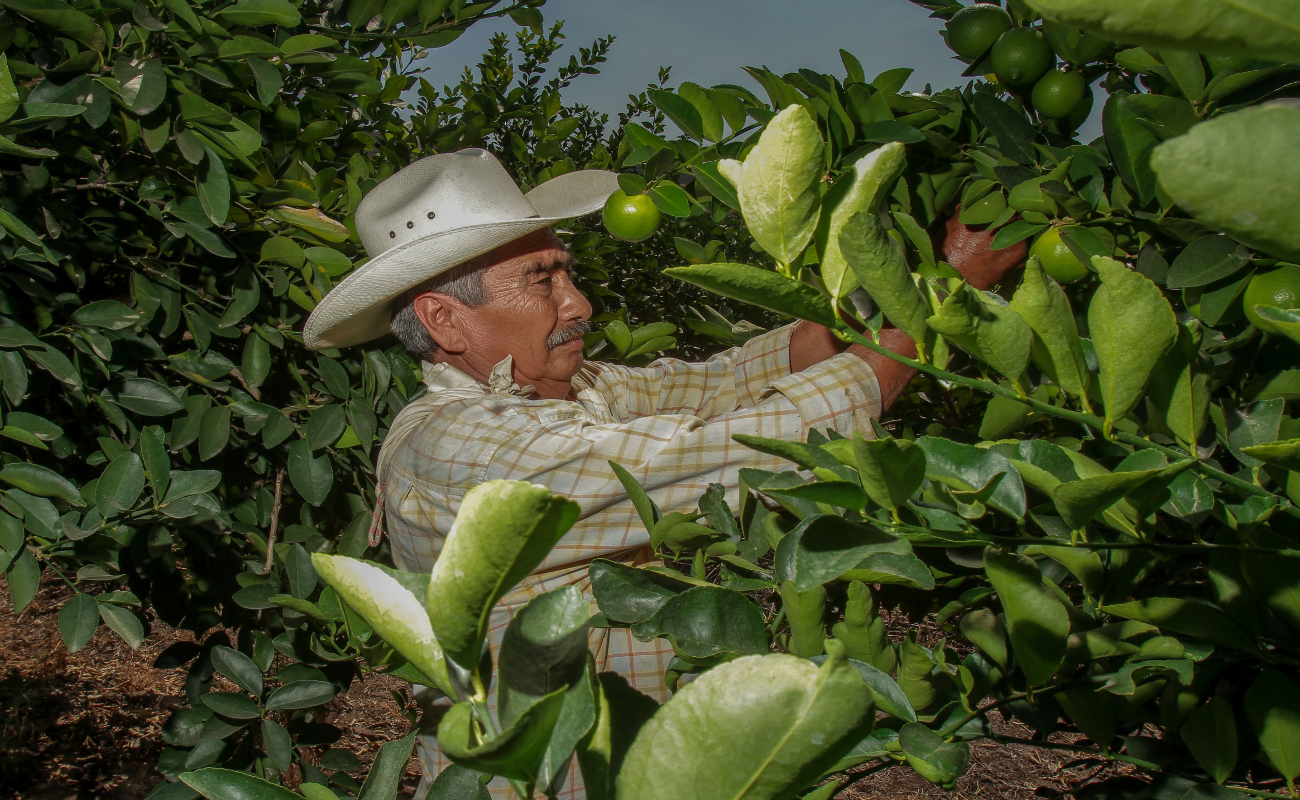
column 759, row 287
column 110, row 314
column 860, row 192
column 1132, row 326
column 388, row 607
column 627, row 594
column 1037, row 623
column 215, row 433
column 386, row 771
column 61, row 17
column 709, row 114
column 715, row 184
column 985, row 630
column 24, row 580
column 1188, row 617
column 1010, row 127
column 1284, row 320
column 142, row 84
column 458, row 783
column 123, row 623
column 969, row 469
column 1206, row 260
column 772, row 742
column 1130, row 144
column 670, row 199
column 777, row 184
column 41, row 481
column 1273, row 705
column 824, row 547
column 706, row 622
column 681, row 111
column 227, row 784
column 1285, row 454
column 312, row 477
column 1236, row 174
column 78, row 619
column 235, row 705
column 805, row 613
column 120, row 485
column 239, row 668
column 300, row 694
column 544, row 649
column 1081, row 500
column 8, row 92
column 148, row 398
column 988, row 329
column 277, row 743
column 1180, row 387
column 1042, row 303
column 864, row 636
column 214, row 188
column 1254, row 28
column 324, row 426
column 516, row 753
column 502, row 533
column 934, row 759
column 881, row 267
column 1211, row 734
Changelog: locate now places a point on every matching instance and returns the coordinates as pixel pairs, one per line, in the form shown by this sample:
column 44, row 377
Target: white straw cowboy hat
column 431, row 216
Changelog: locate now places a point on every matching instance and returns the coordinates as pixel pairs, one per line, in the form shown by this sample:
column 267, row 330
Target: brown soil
column 86, row 725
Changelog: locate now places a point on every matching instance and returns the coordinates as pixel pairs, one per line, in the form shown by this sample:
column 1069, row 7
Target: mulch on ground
column 86, row 725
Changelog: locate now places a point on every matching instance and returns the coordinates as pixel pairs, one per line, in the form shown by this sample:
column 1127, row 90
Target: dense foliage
column 1089, row 486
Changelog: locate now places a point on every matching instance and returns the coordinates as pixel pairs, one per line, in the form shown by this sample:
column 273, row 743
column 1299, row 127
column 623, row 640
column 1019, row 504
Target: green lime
column 1021, row 56
column 975, row 28
column 1058, row 93
column 631, row 217
column 1279, row 288
column 1058, row 260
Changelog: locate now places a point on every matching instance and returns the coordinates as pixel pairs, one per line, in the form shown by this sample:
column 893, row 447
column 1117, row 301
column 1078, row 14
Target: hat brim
column 359, row 309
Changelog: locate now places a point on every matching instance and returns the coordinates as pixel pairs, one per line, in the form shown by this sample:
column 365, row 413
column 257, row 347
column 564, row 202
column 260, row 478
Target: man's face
column 535, row 314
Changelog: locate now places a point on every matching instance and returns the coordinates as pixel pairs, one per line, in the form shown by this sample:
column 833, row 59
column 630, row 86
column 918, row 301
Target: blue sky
column 708, row 41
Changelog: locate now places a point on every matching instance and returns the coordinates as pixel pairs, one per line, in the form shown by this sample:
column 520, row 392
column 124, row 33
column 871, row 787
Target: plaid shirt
column 670, row 424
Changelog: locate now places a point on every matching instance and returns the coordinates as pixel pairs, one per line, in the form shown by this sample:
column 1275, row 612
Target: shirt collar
column 441, row 377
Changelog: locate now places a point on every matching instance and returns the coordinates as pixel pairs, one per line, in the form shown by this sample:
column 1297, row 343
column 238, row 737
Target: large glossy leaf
column 774, row 721
column 78, row 619
column 147, row 397
column 503, row 531
column 515, row 753
column 759, row 287
column 1037, row 622
column 391, row 609
column 1254, row 28
column 627, row 594
column 1273, row 705
column 1235, row 173
column 969, row 468
column 881, row 267
column 859, row 192
column 1180, row 387
column 384, row 780
column 934, row 759
column 458, row 783
column 1130, row 144
column 312, row 476
column 708, row 623
column 1079, row 501
column 226, row 784
column 824, row 547
column 805, row 613
column 984, row 326
column 777, row 184
column 239, row 668
column 1211, row 734
column 1042, row 303
column 120, row 485
column 891, row 470
column 1132, row 327
column 544, row 650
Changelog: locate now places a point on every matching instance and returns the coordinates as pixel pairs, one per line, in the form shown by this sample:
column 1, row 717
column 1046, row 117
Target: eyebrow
column 546, row 264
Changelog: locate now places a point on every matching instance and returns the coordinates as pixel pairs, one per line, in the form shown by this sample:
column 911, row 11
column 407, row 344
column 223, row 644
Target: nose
column 573, row 306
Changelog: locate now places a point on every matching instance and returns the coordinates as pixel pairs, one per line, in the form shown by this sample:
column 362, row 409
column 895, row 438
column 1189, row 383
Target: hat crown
column 439, row 193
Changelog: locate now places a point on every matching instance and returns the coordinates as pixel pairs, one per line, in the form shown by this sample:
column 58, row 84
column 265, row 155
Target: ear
column 441, row 318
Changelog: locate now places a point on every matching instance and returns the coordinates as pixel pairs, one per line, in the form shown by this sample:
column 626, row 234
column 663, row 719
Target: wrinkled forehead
column 537, row 252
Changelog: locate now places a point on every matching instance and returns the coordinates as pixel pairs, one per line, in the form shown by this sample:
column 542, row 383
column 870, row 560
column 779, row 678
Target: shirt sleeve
column 734, row 378
column 676, row 456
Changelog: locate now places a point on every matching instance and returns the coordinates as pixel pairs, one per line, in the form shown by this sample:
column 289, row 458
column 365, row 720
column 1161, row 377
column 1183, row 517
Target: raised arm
column 967, row 250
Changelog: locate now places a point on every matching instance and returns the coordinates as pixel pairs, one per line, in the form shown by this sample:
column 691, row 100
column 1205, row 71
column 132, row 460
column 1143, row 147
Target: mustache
column 575, row 331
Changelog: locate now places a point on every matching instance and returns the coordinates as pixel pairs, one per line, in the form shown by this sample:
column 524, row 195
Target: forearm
column 812, row 343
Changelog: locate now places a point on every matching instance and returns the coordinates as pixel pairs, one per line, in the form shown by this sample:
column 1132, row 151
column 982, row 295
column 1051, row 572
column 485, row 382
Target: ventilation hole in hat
column 392, row 234
column 410, row 224
column 430, row 215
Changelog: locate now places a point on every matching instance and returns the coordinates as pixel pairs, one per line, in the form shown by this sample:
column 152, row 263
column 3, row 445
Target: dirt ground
column 86, row 725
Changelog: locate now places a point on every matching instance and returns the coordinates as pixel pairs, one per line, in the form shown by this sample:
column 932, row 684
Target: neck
column 543, row 388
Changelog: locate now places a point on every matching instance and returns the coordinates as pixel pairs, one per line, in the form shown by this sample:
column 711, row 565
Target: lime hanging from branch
column 631, row 217
column 1279, row 288
column 1058, row 260
column 1021, row 56
column 975, row 28
column 1058, row 93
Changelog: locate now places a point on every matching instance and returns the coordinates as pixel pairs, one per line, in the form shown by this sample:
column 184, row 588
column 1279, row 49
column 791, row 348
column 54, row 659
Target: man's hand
column 967, row 250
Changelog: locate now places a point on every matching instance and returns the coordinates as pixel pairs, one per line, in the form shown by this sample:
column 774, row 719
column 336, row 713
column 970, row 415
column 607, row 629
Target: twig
column 275, row 521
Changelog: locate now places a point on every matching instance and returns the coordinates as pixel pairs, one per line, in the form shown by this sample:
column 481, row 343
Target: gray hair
column 464, row 283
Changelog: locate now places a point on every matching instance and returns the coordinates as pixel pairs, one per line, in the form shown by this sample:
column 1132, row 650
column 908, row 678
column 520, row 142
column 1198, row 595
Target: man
column 467, row 274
